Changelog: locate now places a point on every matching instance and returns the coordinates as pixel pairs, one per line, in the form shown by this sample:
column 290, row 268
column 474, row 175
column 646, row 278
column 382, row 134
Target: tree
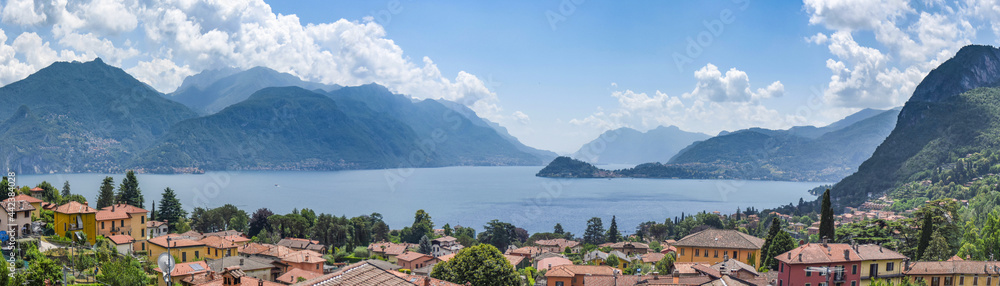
column 259, row 221
column 613, row 234
column 447, row 229
column 425, row 245
column 380, row 231
column 558, row 229
column 782, row 243
column 499, row 234
column 49, row 193
column 65, row 189
column 826, row 230
column 938, row 249
column 612, row 261
column 926, row 231
column 658, row 231
column 106, row 197
column 129, row 192
column 479, row 265
column 123, row 271
column 666, row 265
column 595, row 231
column 5, row 193
column 422, row 225
column 771, row 233
column 170, row 209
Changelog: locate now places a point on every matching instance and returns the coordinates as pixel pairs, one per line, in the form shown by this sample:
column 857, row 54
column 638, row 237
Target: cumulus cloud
column 164, row 41
column 913, row 43
column 734, row 86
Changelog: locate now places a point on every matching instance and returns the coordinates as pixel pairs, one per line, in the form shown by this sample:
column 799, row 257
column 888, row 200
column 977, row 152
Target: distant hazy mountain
column 629, row 146
column 543, row 155
column 80, row 117
column 284, row 128
column 459, row 139
column 212, row 90
column 798, row 153
column 953, row 114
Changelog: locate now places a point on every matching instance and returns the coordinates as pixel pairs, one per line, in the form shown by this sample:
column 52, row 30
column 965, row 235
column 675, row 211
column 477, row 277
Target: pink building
column 841, row 258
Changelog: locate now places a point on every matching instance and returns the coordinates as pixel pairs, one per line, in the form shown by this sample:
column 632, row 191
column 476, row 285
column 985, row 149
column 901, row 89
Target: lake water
column 467, row 196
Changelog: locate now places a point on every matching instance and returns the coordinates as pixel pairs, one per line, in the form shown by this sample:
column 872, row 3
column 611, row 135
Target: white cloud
column 734, row 86
column 164, row 41
column 521, row 118
column 854, row 14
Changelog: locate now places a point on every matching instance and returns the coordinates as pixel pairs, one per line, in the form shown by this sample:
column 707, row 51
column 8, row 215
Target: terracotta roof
column 153, row 223
column 421, row 280
column 175, row 241
column 727, row 281
column 560, row 242
column 236, row 238
column 224, row 233
column 735, row 265
column 447, row 257
column 304, row 256
column 954, row 267
column 121, row 239
column 388, row 248
column 513, row 259
column 552, row 262
column 573, row 270
column 245, row 263
column 126, row 208
column 357, row 274
column 296, row 243
column 719, row 238
column 213, row 279
column 629, row 244
column 217, row 242
column 812, row 253
column 653, row 257
column 412, row 256
column 529, row 250
column 75, row 207
column 876, row 252
column 625, row 280
column 707, row 270
column 385, row 265
column 181, row 269
column 445, row 239
column 28, row 198
column 37, row 189
column 293, row 275
column 685, row 267
column 19, row 206
column 192, row 235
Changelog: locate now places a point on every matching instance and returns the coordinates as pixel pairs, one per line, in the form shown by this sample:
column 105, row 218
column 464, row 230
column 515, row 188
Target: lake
column 467, row 196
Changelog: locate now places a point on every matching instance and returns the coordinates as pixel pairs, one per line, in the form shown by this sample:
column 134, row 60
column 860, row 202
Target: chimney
column 427, row 281
column 677, row 279
column 847, row 254
column 800, row 256
column 241, row 261
column 260, row 282
column 656, row 275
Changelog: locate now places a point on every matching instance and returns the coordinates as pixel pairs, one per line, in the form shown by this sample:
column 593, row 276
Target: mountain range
column 92, row 117
column 629, row 146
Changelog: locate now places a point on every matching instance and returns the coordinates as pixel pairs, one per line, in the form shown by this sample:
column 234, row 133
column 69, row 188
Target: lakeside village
column 61, row 239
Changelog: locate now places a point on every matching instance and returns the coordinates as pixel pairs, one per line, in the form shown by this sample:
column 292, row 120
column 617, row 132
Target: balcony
column 75, row 226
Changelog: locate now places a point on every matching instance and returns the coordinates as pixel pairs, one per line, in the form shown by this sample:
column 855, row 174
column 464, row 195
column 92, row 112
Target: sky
column 556, row 73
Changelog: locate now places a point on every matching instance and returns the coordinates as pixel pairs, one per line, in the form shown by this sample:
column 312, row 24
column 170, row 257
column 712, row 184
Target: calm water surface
column 467, row 196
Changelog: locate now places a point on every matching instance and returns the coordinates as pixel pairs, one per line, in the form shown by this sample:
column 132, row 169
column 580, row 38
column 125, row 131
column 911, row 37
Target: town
column 58, row 238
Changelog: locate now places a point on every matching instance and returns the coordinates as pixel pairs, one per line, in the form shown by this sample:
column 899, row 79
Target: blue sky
column 555, row 73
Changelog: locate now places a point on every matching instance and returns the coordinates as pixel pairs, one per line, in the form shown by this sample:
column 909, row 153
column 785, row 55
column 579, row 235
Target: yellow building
column 182, row 248
column 955, row 273
column 76, row 219
column 35, row 202
column 218, row 247
column 712, row 246
column 123, row 219
column 881, row 264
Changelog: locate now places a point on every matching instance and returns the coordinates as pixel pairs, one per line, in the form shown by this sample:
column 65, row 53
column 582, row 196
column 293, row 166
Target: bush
column 361, row 252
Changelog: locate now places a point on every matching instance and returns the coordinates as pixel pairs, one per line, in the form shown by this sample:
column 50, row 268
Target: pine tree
column 826, row 230
column 938, row 249
column 170, row 209
column 782, row 243
column 65, row 189
column 4, row 190
column 613, row 234
column 129, row 192
column 424, row 245
column 106, row 197
column 926, row 232
column 771, row 233
column 595, row 231
column 558, row 229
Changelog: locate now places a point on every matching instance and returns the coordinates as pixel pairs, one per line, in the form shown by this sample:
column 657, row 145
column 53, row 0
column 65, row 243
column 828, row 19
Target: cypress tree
column 925, row 235
column 826, row 230
column 771, row 233
column 613, row 234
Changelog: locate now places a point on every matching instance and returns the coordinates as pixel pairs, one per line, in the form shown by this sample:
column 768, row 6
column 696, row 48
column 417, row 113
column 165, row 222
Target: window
column 317, row 266
column 143, row 246
column 809, row 273
column 782, row 268
column 736, row 255
column 873, row 270
column 144, row 232
column 854, row 283
column 696, row 252
column 184, row 256
column 143, row 219
column 947, row 281
column 989, row 280
column 102, row 225
column 961, row 280
column 975, row 280
column 807, row 284
column 229, row 252
column 682, row 254
column 195, row 254
column 890, row 266
column 15, row 215
column 716, row 254
column 779, row 282
column 560, row 283
column 706, row 252
column 854, row 269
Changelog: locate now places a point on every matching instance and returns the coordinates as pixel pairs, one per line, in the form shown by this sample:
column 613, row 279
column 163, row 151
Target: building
column 529, row 252
column 596, row 256
column 630, row 248
column 573, row 275
column 156, row 228
column 123, row 243
column 841, row 259
column 181, row 271
column 35, row 203
column 124, row 219
column 302, row 244
column 218, row 247
column 712, row 246
column 231, row 276
column 251, row 267
column 880, row 263
column 445, row 245
column 76, row 220
column 307, row 260
column 293, row 275
column 955, row 273
column 358, row 274
column 550, row 262
column 414, row 260
column 18, row 214
column 558, row 245
column 182, row 248
column 388, row 250
column 37, row 192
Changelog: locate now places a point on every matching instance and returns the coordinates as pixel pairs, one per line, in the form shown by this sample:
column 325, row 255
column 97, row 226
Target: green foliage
column 782, row 243
column 771, row 233
column 566, row 167
column 480, row 265
column 613, row 234
column 826, row 230
column 424, row 245
column 666, row 265
column 361, row 252
column 938, row 249
column 123, row 271
column 106, row 196
column 558, row 229
column 612, row 261
column 595, row 231
column 499, row 234
column 259, row 222
column 129, row 192
column 220, row 219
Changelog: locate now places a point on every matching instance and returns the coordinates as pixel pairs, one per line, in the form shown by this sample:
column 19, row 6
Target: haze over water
column 467, row 196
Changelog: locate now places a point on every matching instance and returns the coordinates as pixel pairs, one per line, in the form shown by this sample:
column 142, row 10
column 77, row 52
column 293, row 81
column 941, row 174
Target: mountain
column 457, row 138
column 790, row 155
column 212, row 90
column 80, row 117
column 543, row 155
column 285, row 128
column 954, row 114
column 629, row 146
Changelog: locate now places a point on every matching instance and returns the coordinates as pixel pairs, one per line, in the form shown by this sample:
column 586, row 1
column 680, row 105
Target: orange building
column 712, row 246
column 573, row 275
